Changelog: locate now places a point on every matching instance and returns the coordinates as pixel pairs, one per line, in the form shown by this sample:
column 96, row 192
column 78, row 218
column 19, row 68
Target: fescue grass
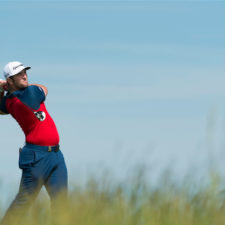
column 135, row 202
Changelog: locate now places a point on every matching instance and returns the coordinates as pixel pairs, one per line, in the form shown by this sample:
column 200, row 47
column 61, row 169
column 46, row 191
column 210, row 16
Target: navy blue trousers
column 41, row 166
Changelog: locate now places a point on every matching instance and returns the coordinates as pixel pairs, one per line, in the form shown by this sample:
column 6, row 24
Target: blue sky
column 130, row 82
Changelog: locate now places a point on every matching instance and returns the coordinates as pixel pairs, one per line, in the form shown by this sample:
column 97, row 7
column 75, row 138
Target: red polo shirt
column 22, row 105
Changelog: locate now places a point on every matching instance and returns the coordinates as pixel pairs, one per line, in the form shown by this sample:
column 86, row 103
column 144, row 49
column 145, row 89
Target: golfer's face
column 20, row 80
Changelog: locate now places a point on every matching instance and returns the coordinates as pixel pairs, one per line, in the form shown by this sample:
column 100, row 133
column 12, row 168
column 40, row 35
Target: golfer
column 40, row 160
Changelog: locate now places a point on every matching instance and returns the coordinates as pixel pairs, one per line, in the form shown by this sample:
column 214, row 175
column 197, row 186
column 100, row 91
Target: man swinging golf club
column 40, row 160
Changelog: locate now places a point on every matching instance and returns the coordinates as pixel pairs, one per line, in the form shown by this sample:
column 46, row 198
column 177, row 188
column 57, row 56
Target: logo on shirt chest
column 40, row 115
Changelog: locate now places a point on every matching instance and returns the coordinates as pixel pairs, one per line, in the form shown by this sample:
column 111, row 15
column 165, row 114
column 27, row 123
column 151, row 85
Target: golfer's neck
column 12, row 89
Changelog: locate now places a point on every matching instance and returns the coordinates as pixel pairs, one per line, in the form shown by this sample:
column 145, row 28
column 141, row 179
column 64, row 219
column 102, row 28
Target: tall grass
column 135, row 202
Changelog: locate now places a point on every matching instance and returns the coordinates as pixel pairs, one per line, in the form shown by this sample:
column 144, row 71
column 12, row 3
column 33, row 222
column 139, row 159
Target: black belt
column 55, row 148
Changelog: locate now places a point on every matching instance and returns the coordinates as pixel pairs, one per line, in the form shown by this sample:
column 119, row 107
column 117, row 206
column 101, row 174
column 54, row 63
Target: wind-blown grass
column 136, row 202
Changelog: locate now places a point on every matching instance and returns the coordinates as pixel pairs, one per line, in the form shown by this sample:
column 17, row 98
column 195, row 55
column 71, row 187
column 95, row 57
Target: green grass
column 135, row 202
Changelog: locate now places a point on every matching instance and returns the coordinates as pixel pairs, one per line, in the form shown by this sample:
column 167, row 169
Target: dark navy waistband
column 55, row 148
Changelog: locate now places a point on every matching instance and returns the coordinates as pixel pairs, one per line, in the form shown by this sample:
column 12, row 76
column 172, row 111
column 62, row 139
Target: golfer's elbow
column 44, row 89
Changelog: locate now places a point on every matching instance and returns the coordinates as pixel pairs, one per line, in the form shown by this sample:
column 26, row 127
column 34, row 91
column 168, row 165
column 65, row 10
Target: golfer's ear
column 9, row 81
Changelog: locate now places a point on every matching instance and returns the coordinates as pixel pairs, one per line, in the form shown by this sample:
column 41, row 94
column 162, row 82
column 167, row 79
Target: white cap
column 13, row 68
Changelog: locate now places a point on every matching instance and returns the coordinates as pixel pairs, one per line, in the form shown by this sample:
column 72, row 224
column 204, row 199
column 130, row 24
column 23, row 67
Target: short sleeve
column 32, row 96
column 37, row 93
column 40, row 93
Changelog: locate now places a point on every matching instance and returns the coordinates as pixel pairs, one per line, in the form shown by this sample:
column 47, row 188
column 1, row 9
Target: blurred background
column 131, row 84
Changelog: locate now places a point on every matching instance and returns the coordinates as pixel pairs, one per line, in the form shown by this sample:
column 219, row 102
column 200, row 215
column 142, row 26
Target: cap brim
column 24, row 68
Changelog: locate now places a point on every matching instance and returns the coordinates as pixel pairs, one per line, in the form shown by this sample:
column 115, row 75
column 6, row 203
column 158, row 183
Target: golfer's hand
column 2, row 82
column 3, row 85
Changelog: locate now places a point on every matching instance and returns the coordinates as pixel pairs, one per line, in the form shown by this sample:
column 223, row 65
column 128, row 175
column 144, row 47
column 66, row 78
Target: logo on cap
column 15, row 67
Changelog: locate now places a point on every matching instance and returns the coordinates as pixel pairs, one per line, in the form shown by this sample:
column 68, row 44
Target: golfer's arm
column 43, row 88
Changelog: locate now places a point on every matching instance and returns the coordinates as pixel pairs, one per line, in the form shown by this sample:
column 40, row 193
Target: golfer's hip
column 31, row 155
